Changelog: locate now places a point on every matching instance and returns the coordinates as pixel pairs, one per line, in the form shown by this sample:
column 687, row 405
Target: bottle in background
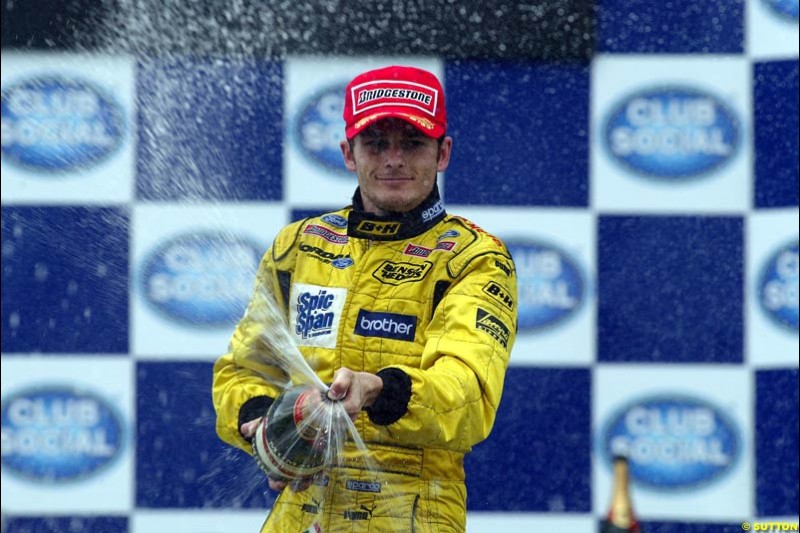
column 621, row 518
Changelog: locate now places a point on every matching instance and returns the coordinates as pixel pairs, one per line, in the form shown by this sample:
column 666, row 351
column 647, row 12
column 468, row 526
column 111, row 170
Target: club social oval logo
column 201, row 279
column 673, row 442
column 672, row 133
column 786, row 9
column 56, row 124
column 551, row 286
column 58, row 434
column 778, row 286
column 319, row 127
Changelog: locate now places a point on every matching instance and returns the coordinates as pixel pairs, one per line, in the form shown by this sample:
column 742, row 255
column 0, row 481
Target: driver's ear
column 347, row 155
column 444, row 154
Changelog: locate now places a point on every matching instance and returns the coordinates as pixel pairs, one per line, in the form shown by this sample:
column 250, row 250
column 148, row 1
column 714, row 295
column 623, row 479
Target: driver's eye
column 377, row 144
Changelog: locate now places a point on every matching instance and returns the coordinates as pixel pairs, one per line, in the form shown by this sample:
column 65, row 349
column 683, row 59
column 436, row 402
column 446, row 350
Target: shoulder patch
column 285, row 239
column 482, row 242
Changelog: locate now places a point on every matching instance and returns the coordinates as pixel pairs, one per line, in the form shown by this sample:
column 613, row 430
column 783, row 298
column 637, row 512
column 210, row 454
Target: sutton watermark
column 769, row 526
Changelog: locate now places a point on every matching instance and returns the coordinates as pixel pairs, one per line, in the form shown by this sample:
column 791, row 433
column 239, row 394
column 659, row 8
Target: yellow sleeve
column 245, row 373
column 456, row 390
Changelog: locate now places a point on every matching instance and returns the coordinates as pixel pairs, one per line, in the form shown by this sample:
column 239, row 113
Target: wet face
column 396, row 165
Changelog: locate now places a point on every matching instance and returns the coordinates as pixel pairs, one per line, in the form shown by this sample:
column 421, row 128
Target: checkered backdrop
column 649, row 196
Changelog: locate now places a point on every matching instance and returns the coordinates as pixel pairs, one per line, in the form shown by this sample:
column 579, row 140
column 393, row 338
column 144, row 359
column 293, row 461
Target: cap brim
column 423, row 124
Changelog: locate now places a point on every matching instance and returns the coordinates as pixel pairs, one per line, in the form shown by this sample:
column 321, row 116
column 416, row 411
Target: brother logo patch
column 673, row 442
column 778, row 286
column 551, row 284
column 672, row 133
column 58, row 434
column 57, row 124
column 201, row 279
column 386, row 325
column 319, row 126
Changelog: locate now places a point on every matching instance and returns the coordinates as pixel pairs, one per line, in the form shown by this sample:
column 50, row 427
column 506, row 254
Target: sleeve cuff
column 392, row 402
column 254, row 408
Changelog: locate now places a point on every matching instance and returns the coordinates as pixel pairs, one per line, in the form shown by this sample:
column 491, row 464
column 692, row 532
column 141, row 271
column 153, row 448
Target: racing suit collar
column 395, row 226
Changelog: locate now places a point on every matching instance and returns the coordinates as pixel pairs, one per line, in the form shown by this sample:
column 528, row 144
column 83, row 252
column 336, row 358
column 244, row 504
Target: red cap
column 407, row 93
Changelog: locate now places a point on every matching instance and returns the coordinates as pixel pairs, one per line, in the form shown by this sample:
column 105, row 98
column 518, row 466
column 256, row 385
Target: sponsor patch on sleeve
column 499, row 293
column 493, row 326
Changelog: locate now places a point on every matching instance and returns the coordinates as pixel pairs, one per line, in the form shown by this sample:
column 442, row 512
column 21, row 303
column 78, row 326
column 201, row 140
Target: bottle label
column 304, row 423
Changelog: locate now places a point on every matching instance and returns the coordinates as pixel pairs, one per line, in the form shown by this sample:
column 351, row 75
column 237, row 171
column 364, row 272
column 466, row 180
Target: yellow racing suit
column 425, row 300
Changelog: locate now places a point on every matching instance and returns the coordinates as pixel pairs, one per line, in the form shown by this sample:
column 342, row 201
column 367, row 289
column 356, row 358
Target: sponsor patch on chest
column 315, row 313
column 386, row 325
column 397, row 272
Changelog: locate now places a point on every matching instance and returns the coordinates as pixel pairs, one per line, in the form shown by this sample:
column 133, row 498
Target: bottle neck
column 621, row 511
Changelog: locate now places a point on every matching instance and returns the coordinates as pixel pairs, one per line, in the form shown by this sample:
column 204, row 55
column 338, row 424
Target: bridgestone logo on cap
column 368, row 96
column 375, row 94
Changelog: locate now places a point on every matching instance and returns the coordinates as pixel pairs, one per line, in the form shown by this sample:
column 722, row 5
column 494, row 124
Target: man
column 419, row 320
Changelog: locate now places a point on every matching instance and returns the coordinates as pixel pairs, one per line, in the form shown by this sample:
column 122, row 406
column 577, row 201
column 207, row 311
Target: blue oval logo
column 551, row 286
column 672, row 133
column 778, row 286
column 55, row 124
column 58, row 434
column 201, row 279
column 785, row 9
column 319, row 127
column 335, row 220
column 673, row 442
column 343, row 262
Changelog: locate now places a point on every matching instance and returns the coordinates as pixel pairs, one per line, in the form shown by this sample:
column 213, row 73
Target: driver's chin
column 395, row 202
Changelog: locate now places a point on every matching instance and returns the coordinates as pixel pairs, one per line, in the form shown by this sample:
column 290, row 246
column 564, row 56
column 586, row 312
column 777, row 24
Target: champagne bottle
column 621, row 518
column 291, row 442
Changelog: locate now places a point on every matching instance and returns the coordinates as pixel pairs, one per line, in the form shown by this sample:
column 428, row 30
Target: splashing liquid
column 204, row 74
column 304, row 436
